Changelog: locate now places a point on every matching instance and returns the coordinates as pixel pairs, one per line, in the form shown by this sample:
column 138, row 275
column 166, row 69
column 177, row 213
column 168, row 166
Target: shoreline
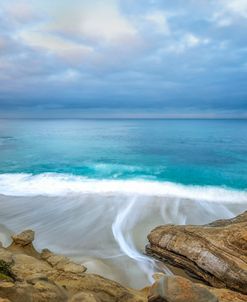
column 121, row 229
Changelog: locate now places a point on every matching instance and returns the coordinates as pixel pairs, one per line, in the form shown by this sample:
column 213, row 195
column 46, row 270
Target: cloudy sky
column 123, row 58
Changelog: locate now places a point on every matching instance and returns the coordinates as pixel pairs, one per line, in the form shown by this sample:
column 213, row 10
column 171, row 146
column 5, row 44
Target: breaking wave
column 54, row 184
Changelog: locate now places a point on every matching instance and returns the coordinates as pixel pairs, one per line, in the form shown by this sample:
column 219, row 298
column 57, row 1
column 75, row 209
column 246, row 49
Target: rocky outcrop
column 40, row 291
column 178, row 289
column 226, row 295
column 27, row 276
column 23, row 239
column 84, row 297
column 62, row 263
column 215, row 253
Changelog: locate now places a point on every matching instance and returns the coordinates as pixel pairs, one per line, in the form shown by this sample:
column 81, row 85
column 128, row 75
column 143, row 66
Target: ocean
column 93, row 189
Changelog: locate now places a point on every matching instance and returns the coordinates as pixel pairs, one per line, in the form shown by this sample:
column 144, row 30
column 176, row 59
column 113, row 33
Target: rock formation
column 178, row 289
column 215, row 253
column 29, row 276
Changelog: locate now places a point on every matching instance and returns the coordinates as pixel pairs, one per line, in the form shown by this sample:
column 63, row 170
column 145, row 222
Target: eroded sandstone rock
column 25, row 266
column 62, row 263
column 178, row 289
column 48, row 277
column 41, row 291
column 24, row 238
column 226, row 295
column 4, row 300
column 84, row 297
column 215, row 253
column 23, row 243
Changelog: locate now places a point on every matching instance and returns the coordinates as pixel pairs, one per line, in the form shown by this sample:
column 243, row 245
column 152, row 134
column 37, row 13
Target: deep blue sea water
column 93, row 189
column 191, row 152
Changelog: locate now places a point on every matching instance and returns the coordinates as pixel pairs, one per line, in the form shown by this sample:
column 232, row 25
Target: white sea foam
column 53, row 184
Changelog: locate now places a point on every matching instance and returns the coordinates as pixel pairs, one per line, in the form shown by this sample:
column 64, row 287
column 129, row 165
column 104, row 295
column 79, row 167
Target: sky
column 149, row 58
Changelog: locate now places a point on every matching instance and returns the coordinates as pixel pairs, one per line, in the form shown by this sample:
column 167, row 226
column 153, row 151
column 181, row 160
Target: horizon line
column 124, row 118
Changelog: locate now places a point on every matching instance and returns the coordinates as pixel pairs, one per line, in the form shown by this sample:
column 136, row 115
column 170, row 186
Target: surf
column 53, row 184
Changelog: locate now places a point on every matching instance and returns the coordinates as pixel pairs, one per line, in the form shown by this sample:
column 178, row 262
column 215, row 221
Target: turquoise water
column 190, row 152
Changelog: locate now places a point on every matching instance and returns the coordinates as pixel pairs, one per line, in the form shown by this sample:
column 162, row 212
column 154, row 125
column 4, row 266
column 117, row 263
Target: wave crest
column 53, row 184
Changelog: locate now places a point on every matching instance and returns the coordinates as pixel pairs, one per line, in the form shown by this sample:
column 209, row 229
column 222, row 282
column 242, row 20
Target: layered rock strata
column 215, row 253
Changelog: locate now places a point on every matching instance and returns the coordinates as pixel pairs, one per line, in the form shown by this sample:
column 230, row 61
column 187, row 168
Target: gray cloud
column 113, row 55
